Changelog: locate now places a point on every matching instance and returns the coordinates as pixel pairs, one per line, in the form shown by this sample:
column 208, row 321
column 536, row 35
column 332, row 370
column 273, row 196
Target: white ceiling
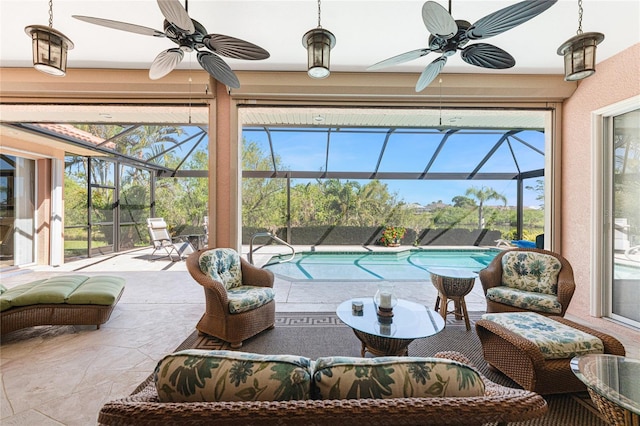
column 367, row 31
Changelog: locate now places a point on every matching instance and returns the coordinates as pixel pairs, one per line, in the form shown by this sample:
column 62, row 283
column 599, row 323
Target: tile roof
column 69, row 131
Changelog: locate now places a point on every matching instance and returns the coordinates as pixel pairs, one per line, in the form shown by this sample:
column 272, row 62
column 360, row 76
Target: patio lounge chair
column 161, row 239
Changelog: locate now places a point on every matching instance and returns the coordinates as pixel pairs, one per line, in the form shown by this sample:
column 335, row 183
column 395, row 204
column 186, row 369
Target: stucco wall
column 616, row 79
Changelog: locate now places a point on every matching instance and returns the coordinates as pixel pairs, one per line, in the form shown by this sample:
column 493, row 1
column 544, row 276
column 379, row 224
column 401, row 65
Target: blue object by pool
column 408, row 265
column 523, row 243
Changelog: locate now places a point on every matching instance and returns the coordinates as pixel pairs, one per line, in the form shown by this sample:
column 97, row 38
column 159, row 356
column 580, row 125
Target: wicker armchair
column 218, row 320
column 491, row 277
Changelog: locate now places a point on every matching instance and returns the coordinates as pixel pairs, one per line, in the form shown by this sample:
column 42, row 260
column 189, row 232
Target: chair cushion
column 246, row 298
column 209, row 376
column 526, row 300
column 222, row 265
column 531, row 271
column 393, row 377
column 555, row 339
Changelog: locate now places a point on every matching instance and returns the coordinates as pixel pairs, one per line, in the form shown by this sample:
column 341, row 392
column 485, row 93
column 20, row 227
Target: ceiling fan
column 449, row 35
column 190, row 36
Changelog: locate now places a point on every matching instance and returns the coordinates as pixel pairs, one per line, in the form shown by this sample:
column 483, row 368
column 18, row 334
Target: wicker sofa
column 494, row 403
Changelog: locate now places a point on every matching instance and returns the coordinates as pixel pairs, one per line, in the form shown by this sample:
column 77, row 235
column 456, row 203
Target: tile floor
column 63, row 375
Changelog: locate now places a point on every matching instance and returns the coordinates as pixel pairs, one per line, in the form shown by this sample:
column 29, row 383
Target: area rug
column 322, row 334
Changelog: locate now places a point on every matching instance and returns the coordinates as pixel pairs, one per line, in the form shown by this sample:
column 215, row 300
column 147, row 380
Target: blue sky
column 355, row 150
column 407, row 150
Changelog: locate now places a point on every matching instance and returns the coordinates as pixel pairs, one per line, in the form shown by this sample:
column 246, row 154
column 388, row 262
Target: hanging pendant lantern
column 318, row 43
column 49, row 47
column 580, row 52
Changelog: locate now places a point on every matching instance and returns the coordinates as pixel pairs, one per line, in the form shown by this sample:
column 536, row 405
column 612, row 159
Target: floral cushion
column 393, row 377
column 246, row 298
column 531, row 271
column 210, row 376
column 555, row 339
column 222, row 265
column 527, row 300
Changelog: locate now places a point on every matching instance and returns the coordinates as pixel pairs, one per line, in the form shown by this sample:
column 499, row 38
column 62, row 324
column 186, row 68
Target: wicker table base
column 452, row 285
column 613, row 413
column 382, row 346
column 612, row 382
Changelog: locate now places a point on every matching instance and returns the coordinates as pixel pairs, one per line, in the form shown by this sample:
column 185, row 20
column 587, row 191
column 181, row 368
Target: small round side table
column 453, row 285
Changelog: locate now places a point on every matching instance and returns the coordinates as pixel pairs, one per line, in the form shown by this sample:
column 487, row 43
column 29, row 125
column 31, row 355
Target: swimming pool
column 408, row 265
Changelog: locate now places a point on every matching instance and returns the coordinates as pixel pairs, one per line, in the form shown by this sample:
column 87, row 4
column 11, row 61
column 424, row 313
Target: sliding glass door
column 623, row 131
column 17, row 211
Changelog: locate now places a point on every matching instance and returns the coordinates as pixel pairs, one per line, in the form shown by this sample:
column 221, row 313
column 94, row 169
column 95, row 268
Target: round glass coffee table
column 410, row 321
column 613, row 383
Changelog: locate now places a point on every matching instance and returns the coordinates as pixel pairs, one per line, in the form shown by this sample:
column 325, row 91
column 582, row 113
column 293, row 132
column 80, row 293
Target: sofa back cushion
column 222, row 265
column 531, row 271
column 210, row 376
column 393, row 377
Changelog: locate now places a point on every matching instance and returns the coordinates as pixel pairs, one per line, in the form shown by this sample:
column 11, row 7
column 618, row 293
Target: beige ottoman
column 511, row 345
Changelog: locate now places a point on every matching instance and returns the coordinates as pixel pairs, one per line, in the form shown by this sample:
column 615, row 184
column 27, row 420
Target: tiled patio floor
column 63, row 375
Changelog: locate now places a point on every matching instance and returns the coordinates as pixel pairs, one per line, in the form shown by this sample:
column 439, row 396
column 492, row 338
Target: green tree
column 462, row 201
column 538, row 188
column 482, row 195
column 144, row 142
column 262, row 198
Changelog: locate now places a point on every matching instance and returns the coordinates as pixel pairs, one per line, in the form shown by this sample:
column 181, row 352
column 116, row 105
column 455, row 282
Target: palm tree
column 481, row 195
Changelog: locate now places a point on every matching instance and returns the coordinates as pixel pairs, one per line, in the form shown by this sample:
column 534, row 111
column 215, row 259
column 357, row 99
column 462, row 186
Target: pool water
column 408, row 265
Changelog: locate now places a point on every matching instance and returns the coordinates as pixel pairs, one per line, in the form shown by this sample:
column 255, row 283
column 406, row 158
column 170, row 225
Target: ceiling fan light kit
column 318, row 43
column 449, row 36
column 49, row 47
column 580, row 52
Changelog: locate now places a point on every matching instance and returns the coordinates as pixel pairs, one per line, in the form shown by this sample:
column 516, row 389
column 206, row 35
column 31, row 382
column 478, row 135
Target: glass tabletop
column 452, row 273
column 616, row 378
column 410, row 320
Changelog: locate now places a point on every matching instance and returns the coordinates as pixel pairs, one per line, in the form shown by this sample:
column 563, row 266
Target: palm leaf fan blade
column 487, row 56
column 507, row 18
column 218, row 69
column 438, row 21
column 235, row 48
column 165, row 62
column 177, row 15
column 430, row 73
column 399, row 59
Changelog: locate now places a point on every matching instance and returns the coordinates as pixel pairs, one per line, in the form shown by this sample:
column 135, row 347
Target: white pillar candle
column 385, row 300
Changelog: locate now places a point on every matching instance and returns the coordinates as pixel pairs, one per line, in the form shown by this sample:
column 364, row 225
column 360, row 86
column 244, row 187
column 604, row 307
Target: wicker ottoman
column 522, row 360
